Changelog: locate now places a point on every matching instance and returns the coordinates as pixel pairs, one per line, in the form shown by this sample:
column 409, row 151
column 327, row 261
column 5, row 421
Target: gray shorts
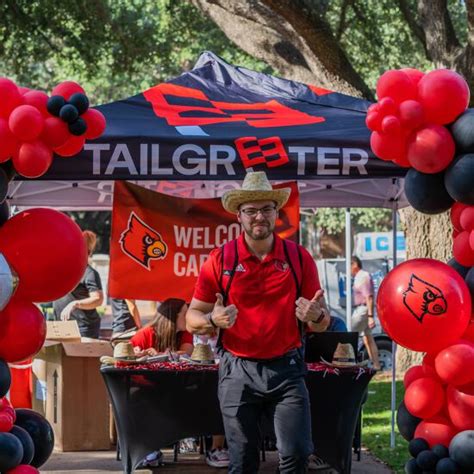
column 360, row 320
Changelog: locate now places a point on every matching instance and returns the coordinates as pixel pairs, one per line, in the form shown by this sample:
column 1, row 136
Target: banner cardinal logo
column 423, row 298
column 142, row 243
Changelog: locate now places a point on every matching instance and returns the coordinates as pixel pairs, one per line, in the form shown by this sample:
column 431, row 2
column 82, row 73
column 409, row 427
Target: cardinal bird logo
column 142, row 243
column 423, row 298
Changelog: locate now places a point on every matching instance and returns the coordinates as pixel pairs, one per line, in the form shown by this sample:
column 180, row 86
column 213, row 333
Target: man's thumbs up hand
column 313, row 311
column 223, row 316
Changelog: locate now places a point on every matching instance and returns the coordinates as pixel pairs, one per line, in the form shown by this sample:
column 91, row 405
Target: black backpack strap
column 298, row 281
column 233, row 256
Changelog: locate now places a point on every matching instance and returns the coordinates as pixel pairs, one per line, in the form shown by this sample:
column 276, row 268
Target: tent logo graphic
column 187, row 107
column 142, row 243
column 422, row 298
column 256, row 151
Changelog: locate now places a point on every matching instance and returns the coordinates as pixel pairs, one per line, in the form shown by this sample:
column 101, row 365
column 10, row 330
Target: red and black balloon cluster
column 34, row 126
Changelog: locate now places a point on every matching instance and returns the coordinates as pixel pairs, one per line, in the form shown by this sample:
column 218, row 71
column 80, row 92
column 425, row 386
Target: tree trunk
column 425, row 236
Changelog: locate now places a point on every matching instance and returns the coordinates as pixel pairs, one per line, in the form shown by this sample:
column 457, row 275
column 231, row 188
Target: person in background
column 125, row 316
column 81, row 303
column 166, row 333
column 363, row 314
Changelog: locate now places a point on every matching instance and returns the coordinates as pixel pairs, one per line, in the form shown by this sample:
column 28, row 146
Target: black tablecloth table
column 155, row 408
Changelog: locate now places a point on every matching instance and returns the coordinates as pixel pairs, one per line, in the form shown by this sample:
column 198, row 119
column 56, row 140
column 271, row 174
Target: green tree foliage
column 114, row 48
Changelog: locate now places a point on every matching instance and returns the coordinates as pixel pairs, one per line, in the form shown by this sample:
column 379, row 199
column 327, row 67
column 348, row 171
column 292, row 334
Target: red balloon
column 387, row 106
column 462, row 251
column 411, row 114
column 373, row 108
column 424, row 305
column 23, row 90
column 455, row 363
column 390, row 124
column 95, row 121
column 33, row 159
column 469, row 334
column 471, row 240
column 414, row 74
column 437, row 430
column 397, row 85
column 60, row 254
column 71, row 147
column 444, row 95
column 467, row 218
column 374, row 121
column 455, row 214
column 6, row 422
column 412, row 374
column 6, row 407
column 26, row 123
column 10, row 95
column 23, row 469
column 388, row 146
column 402, row 161
column 424, row 397
column 23, row 331
column 431, row 149
column 67, row 88
column 460, row 401
column 55, row 132
column 9, row 143
column 37, row 99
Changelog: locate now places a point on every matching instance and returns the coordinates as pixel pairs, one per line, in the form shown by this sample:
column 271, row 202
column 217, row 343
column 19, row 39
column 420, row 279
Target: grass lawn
column 376, row 424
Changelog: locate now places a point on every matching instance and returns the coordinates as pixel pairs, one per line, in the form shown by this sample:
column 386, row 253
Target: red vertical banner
column 159, row 242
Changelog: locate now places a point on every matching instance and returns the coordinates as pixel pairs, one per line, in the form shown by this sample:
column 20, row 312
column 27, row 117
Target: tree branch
column 409, row 16
column 342, row 20
column 291, row 37
column 442, row 44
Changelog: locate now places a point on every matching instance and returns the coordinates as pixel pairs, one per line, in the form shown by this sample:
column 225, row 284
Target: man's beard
column 262, row 234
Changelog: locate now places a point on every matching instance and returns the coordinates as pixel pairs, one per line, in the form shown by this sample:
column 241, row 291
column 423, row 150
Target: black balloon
column 27, row 443
column 427, row 460
column 5, row 378
column 463, row 132
column 427, row 192
column 440, row 450
column 40, row 431
column 411, row 467
column 416, row 445
column 80, row 101
column 9, row 169
column 3, row 185
column 447, row 466
column 11, row 451
column 4, row 212
column 461, row 449
column 461, row 269
column 78, row 127
column 459, row 177
column 469, row 279
column 406, row 423
column 68, row 113
column 55, row 104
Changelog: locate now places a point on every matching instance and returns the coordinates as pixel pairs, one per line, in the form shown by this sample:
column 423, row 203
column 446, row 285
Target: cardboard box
column 68, row 389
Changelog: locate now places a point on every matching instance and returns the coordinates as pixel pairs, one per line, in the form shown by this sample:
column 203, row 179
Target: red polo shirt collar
column 277, row 252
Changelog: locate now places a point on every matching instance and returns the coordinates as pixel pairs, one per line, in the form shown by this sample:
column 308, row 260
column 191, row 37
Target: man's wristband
column 320, row 317
column 209, row 318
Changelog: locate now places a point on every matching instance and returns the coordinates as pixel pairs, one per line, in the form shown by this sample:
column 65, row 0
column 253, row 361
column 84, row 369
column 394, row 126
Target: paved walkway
column 104, row 461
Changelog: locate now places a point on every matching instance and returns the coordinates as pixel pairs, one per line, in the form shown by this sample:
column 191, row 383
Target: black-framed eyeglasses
column 266, row 211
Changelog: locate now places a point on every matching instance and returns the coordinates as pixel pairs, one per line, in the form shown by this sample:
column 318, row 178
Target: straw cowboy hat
column 124, row 351
column 344, row 356
column 255, row 187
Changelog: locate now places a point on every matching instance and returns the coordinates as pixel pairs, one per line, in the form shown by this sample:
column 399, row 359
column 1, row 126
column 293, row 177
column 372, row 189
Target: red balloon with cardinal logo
column 424, row 305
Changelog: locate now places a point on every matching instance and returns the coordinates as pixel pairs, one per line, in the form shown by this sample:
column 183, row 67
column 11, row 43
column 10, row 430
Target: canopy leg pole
column 394, row 345
column 348, row 235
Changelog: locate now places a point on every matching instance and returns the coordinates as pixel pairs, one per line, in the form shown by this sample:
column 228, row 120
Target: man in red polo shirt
column 260, row 309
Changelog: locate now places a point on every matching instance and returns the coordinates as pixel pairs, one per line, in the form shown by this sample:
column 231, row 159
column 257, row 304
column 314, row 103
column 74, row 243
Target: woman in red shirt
column 166, row 332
